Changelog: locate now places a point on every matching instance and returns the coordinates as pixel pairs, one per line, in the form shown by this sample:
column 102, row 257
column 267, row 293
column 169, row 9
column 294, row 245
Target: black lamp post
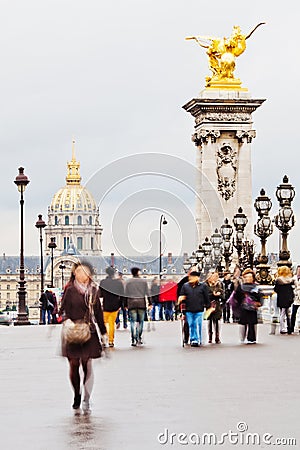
column 52, row 245
column 162, row 221
column 62, row 268
column 200, row 255
column 285, row 220
column 216, row 240
column 226, row 231
column 207, row 249
column 40, row 224
column 263, row 229
column 21, row 181
column 248, row 251
column 240, row 221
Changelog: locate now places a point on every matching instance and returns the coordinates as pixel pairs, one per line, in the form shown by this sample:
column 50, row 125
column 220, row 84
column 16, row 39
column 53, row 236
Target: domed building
column 73, row 217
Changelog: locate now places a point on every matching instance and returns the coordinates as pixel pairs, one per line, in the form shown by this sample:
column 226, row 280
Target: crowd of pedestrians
column 227, row 298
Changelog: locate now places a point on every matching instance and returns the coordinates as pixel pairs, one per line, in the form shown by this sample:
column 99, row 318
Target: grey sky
column 115, row 76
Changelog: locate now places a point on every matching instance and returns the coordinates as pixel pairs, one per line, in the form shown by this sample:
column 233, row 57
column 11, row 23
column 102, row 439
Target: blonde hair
column 284, row 271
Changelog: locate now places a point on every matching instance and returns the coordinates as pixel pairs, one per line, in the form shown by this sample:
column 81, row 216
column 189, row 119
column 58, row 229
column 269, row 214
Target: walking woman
column 249, row 298
column 216, row 297
column 81, row 301
column 284, row 288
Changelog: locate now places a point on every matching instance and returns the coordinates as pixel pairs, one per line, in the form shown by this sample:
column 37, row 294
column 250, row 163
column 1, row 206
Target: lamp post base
column 19, row 322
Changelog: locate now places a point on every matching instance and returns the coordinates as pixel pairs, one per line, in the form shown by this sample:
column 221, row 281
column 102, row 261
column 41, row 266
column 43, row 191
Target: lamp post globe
column 263, row 204
column 285, row 192
column 22, row 319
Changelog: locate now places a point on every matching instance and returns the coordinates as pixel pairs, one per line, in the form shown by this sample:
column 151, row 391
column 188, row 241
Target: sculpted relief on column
column 226, row 158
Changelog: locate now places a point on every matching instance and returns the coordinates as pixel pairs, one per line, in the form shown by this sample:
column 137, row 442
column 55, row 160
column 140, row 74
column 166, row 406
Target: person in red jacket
column 168, row 297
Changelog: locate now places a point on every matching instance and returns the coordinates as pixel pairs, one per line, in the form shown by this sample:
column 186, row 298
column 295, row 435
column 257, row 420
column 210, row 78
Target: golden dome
column 73, row 197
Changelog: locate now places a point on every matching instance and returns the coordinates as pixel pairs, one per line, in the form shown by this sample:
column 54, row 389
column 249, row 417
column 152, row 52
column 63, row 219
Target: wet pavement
column 158, row 389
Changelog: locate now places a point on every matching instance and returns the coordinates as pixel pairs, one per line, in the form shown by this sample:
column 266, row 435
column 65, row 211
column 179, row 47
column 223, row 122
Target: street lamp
column 40, row 224
column 240, row 221
column 226, row 231
column 21, row 181
column 162, row 221
column 207, row 249
column 216, row 240
column 62, row 268
column 248, row 251
column 263, row 229
column 52, row 245
column 285, row 220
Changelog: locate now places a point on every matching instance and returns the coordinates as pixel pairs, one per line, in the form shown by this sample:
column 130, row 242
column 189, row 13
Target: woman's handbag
column 76, row 332
column 208, row 312
column 248, row 304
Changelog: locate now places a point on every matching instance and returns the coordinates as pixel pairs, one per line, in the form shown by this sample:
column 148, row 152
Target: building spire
column 73, row 150
column 73, row 175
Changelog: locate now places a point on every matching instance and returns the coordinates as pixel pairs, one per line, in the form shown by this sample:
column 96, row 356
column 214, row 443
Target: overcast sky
column 115, row 75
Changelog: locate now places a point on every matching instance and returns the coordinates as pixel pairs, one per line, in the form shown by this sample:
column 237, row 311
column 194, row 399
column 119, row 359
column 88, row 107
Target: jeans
column 136, row 317
column 285, row 325
column 194, row 320
column 153, row 310
column 44, row 311
column 169, row 310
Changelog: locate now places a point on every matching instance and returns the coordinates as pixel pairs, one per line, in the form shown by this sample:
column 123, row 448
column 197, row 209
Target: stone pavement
column 142, row 392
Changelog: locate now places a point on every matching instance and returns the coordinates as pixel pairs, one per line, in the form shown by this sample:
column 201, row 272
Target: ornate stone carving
column 248, row 135
column 201, row 137
column 223, row 117
column 226, row 158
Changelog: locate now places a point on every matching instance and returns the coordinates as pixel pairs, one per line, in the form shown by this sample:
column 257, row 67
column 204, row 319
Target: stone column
column 223, row 136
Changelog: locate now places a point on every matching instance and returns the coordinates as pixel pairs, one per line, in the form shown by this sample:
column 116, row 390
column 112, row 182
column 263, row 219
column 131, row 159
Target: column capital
column 243, row 135
column 202, row 136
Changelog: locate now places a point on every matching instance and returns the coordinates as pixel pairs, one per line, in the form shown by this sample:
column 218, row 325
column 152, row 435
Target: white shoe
column 86, row 406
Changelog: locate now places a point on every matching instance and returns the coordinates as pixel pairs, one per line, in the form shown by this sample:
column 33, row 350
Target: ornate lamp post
column 162, row 221
column 40, row 224
column 196, row 259
column 207, row 249
column 240, row 220
column 200, row 255
column 285, row 220
column 248, row 251
column 62, row 268
column 263, row 229
column 226, row 231
column 52, row 245
column 21, row 181
column 216, row 240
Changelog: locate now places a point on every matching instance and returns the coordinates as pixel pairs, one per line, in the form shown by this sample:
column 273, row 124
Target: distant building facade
column 73, row 216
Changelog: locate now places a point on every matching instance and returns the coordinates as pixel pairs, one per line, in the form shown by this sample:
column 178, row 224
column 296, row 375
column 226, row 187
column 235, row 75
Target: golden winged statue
column 222, row 53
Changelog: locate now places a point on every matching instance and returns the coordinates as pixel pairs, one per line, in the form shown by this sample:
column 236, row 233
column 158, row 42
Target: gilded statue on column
column 221, row 56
